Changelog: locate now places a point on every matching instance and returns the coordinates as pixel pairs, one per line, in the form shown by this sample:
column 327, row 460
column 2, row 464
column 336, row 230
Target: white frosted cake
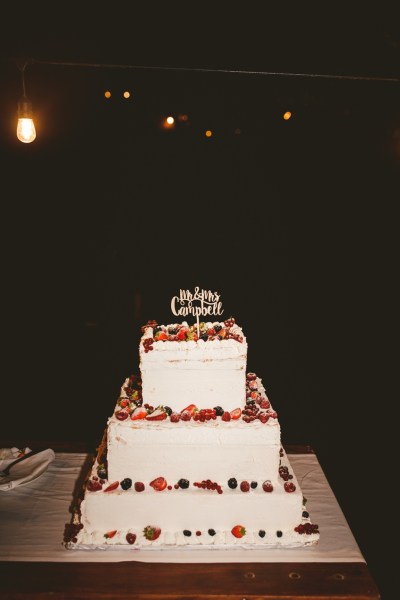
column 192, row 454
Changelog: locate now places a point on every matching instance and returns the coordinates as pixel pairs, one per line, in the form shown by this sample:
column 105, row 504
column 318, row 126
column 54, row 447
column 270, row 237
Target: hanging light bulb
column 26, row 131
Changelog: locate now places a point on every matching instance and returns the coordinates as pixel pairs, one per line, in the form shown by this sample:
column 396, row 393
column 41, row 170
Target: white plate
column 27, row 470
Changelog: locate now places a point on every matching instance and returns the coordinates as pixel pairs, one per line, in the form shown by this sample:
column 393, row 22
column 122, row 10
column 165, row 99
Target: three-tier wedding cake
column 192, row 453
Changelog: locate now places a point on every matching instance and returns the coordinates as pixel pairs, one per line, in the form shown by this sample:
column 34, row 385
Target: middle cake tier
column 215, row 450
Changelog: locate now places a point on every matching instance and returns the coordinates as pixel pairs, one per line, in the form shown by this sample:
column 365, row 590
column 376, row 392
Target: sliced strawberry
column 159, row 484
column 139, row 413
column 110, row 534
column 235, row 414
column 159, row 414
column 238, row 531
column 112, row 486
column 192, row 408
column 151, row 532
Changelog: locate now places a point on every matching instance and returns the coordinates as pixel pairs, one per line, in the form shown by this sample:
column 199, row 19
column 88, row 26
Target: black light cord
column 33, row 61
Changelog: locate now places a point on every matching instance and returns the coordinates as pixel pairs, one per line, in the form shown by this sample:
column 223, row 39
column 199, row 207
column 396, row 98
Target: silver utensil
column 5, row 472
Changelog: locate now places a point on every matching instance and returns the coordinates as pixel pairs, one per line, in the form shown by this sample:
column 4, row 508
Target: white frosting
column 205, row 373
column 215, row 450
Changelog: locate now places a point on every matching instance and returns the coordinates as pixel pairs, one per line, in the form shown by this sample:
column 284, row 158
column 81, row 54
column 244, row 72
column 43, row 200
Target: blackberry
column 217, row 328
column 172, row 330
column 261, row 533
column 168, row 410
column 253, row 485
column 204, row 337
column 279, row 534
column 102, row 472
column 126, row 483
column 211, row 532
column 219, row 411
column 232, row 483
column 187, row 532
column 305, row 514
column 183, row 484
column 156, row 330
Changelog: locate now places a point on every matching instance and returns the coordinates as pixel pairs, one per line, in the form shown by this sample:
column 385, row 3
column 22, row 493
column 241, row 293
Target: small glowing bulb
column 127, row 94
column 287, row 115
column 170, row 120
column 26, row 131
column 238, row 131
column 107, row 94
column 208, row 133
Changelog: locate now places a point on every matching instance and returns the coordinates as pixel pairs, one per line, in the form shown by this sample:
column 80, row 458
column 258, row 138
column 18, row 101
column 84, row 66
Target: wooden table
column 153, row 581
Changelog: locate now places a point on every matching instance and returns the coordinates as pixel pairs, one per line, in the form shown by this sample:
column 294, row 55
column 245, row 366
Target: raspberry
column 251, row 376
column 93, row 486
column 267, row 486
column 226, row 416
column 186, row 416
column 289, row 486
column 245, row 486
column 175, row 417
column 130, row 538
column 139, row 486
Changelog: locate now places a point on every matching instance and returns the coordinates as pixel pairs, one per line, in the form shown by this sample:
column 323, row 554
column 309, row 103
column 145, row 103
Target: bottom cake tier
column 203, row 516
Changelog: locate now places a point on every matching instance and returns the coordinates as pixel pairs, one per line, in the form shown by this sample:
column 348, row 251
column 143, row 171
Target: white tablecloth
column 33, row 518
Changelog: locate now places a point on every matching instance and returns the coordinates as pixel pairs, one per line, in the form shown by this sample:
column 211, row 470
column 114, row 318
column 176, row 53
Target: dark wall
column 106, row 217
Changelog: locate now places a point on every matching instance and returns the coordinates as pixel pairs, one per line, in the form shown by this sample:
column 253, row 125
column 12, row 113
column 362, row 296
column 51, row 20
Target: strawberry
column 211, row 331
column 192, row 408
column 159, row 414
column 130, row 538
column 110, row 534
column 123, row 402
column 151, row 532
column 235, row 414
column 160, row 335
column 238, row 531
column 112, row 486
column 159, row 484
column 139, row 413
column 181, row 335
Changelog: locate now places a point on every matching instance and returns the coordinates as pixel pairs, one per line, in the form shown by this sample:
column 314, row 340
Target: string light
column 287, row 115
column 208, row 133
column 127, row 94
column 26, row 131
column 107, row 94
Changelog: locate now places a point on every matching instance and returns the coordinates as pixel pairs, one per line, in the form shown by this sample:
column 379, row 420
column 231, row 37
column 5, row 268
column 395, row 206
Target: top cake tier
column 181, row 366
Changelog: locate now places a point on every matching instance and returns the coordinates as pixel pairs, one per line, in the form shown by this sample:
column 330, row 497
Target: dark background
column 107, row 215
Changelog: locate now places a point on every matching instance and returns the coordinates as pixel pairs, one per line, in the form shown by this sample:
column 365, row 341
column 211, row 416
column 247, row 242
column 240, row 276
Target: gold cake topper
column 200, row 303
